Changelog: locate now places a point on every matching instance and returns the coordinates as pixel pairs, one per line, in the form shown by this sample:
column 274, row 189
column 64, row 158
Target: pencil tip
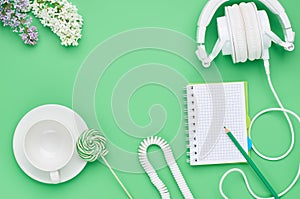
column 226, row 130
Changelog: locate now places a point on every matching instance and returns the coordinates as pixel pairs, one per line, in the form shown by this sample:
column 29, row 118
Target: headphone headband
column 206, row 15
column 278, row 10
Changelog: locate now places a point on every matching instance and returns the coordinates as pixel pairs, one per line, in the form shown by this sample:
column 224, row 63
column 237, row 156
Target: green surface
column 46, row 73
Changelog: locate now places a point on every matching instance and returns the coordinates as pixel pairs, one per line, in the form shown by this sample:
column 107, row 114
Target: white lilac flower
column 61, row 17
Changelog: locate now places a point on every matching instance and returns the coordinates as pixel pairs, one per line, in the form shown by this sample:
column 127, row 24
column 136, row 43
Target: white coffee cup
column 49, row 146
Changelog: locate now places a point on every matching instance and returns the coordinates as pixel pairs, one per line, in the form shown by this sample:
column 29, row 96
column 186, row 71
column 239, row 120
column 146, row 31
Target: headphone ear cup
column 238, row 36
column 252, row 30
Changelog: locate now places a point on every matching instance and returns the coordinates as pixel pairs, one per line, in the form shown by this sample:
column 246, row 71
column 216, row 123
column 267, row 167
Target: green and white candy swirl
column 91, row 144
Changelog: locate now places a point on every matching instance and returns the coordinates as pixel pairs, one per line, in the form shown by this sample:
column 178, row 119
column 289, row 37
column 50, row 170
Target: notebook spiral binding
column 191, row 124
column 186, row 120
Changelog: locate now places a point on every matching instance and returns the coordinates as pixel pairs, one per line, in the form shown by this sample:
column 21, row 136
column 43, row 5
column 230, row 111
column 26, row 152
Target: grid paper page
column 210, row 108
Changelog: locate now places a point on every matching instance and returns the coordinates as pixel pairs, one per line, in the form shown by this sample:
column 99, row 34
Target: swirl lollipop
column 91, row 145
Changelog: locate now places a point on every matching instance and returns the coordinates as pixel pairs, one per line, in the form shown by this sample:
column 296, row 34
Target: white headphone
column 244, row 32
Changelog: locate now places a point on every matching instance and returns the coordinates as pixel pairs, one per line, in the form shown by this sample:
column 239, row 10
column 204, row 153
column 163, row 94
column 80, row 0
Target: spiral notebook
column 211, row 107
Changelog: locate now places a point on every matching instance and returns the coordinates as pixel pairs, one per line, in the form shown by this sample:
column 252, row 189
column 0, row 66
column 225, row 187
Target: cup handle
column 55, row 177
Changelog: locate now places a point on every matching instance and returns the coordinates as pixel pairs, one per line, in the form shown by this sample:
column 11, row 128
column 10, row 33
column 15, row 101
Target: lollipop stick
column 117, row 178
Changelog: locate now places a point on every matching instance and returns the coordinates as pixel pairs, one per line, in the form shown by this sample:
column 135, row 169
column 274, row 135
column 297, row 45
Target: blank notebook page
column 210, row 108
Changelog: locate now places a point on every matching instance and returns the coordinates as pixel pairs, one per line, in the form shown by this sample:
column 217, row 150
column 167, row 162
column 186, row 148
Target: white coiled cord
column 156, row 181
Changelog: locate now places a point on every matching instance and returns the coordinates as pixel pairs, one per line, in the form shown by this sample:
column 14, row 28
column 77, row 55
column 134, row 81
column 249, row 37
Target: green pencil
column 254, row 167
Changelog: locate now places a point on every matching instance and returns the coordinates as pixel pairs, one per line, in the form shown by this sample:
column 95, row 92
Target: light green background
column 32, row 76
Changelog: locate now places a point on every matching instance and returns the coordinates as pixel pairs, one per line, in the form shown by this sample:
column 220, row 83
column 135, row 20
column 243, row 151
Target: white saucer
column 71, row 120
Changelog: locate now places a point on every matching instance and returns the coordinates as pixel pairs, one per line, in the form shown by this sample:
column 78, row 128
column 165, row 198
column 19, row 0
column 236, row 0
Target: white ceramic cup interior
column 49, row 146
